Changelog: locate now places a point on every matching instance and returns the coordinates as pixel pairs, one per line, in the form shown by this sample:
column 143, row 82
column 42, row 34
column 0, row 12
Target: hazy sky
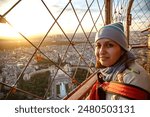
column 30, row 17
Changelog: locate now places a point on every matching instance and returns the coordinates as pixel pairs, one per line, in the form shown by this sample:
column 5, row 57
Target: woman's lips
column 103, row 58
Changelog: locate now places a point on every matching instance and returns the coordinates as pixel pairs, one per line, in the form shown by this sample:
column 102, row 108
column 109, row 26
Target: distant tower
column 63, row 92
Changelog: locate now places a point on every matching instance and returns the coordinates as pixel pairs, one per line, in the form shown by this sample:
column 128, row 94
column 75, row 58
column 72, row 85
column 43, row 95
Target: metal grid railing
column 140, row 20
column 119, row 11
column 80, row 54
column 140, row 12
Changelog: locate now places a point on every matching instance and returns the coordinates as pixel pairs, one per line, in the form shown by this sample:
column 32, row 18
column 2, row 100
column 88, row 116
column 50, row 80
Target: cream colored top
column 135, row 75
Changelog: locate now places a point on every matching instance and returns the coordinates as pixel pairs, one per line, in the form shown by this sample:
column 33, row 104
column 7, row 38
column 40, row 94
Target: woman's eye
column 98, row 46
column 109, row 45
column 106, row 45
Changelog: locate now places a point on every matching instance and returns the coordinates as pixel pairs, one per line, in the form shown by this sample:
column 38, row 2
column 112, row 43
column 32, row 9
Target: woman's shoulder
column 136, row 75
column 136, row 69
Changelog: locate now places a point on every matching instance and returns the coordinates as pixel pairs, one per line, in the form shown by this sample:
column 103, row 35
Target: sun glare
column 32, row 19
column 6, row 32
column 28, row 18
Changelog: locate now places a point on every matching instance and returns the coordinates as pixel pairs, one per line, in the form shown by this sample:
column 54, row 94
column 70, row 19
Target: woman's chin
column 105, row 64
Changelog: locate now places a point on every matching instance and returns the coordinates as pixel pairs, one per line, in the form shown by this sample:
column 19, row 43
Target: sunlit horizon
column 29, row 19
column 32, row 19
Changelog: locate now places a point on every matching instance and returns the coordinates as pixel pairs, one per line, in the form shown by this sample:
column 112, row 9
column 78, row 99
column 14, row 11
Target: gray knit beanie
column 114, row 32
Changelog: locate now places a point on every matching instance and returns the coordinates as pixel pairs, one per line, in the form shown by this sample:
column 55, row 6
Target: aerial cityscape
column 13, row 61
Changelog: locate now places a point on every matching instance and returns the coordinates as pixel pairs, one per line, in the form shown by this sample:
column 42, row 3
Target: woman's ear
column 122, row 52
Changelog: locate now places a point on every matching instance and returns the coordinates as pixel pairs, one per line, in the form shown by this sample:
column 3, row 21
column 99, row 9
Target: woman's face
column 107, row 52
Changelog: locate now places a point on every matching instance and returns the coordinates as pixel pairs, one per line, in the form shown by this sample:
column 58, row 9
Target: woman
column 119, row 77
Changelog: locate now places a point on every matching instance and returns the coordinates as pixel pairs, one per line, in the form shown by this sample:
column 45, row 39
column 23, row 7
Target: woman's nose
column 102, row 50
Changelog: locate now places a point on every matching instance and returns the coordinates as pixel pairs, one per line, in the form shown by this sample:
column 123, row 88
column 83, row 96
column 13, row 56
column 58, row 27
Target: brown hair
column 98, row 64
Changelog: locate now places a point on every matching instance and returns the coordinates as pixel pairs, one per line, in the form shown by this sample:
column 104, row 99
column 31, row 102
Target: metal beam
column 128, row 19
column 108, row 11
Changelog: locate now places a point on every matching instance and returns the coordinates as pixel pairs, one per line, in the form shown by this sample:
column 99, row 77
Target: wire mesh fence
column 51, row 49
column 140, row 21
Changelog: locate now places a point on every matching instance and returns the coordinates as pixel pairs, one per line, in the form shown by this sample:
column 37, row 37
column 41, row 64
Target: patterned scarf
column 110, row 73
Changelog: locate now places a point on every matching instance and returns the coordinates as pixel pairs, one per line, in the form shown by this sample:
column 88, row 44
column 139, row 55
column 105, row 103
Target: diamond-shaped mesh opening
column 54, row 50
